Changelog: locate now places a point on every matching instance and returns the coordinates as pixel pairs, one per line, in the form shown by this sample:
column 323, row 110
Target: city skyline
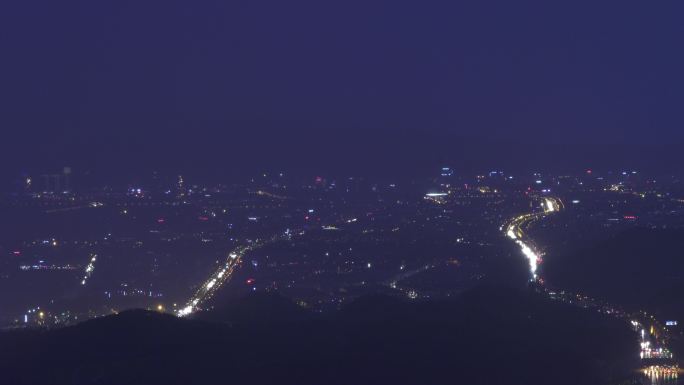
column 358, row 192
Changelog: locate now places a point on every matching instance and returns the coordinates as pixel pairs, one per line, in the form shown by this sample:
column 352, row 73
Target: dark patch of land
column 484, row 336
column 640, row 268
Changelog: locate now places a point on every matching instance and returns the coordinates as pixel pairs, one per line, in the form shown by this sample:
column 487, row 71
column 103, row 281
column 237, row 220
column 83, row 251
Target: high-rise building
column 56, row 183
column 180, row 185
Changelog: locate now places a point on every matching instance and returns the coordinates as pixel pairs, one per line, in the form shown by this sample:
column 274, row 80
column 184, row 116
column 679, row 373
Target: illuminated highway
column 658, row 364
column 223, row 274
column 515, row 230
column 89, row 269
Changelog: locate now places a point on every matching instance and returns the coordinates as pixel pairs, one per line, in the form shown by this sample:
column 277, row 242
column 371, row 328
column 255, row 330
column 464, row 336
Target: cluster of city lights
column 661, row 371
column 664, row 367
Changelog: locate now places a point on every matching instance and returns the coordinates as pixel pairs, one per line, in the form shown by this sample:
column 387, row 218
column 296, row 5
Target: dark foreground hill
column 640, row 268
column 486, row 336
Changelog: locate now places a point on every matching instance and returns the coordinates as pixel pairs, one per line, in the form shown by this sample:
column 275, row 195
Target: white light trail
column 532, row 257
column 89, row 269
column 510, row 233
column 513, row 232
column 224, row 273
column 549, row 206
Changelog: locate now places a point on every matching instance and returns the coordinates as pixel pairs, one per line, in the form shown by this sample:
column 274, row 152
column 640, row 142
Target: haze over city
column 311, row 192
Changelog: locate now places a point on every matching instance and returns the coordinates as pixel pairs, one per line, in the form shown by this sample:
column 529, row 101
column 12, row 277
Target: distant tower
column 445, row 178
column 181, row 187
column 446, row 172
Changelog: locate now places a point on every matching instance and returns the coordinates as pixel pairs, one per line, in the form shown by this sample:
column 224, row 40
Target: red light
column 250, row 281
column 160, row 220
column 629, row 217
column 306, row 218
column 588, row 171
column 203, row 218
column 16, row 252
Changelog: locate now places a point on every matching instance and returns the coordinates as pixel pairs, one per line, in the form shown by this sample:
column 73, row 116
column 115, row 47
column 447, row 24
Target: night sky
column 330, row 86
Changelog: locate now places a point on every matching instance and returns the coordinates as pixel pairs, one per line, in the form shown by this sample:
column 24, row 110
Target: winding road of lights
column 655, row 372
column 514, row 232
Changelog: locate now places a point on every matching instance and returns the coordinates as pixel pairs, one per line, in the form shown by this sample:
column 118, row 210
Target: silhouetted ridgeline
column 486, row 336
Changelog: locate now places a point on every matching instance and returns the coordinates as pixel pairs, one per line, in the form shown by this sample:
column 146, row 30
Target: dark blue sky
column 340, row 84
